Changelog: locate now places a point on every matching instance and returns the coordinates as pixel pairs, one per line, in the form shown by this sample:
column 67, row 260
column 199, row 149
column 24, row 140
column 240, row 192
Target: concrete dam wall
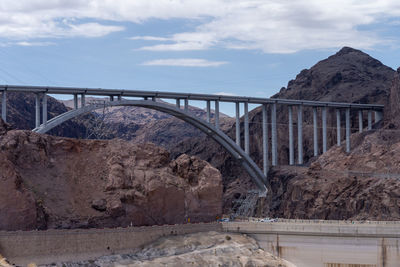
column 326, row 243
column 51, row 246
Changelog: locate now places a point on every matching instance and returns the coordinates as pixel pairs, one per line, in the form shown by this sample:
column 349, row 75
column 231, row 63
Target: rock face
column 52, row 182
column 348, row 76
column 200, row 249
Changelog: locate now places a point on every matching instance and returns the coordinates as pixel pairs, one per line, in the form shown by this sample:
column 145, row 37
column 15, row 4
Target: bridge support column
column 44, row 108
column 315, row 131
column 178, row 103
column 120, row 98
column 111, row 98
column 186, row 105
column 237, row 104
column 37, row 110
column 300, row 133
column 274, row 145
column 4, row 106
column 324, row 135
column 360, row 121
column 246, row 128
column 75, row 101
column 338, row 132
column 347, row 130
column 265, row 139
column 291, row 144
column 217, row 114
column 369, row 120
column 208, row 111
column 378, row 116
column 83, row 103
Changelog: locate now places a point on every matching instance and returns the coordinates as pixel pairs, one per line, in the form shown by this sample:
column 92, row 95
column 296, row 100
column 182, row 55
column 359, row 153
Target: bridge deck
column 176, row 95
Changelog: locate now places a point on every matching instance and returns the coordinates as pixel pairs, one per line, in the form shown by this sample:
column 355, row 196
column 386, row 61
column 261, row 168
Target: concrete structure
column 148, row 100
column 317, row 243
column 46, row 247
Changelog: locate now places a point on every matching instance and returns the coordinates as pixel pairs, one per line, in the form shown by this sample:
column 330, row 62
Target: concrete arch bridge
column 239, row 151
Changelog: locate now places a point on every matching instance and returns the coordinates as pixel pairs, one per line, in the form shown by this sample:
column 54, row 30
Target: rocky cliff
column 53, row 182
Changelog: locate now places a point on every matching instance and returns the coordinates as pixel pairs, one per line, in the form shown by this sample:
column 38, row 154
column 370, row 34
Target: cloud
column 149, row 38
column 270, row 26
column 225, row 94
column 184, row 62
column 25, row 43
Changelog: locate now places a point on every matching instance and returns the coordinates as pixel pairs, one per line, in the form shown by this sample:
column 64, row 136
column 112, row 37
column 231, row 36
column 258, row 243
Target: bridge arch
column 247, row 163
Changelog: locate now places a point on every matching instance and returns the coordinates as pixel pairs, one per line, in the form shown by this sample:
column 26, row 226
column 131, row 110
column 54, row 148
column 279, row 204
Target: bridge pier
column 120, row 98
column 37, row 110
column 216, row 114
column 300, row 133
column 378, row 116
column 274, row 145
column 315, row 131
column 237, row 104
column 44, row 108
column 4, row 106
column 265, row 139
column 347, row 130
column 369, row 120
column 75, row 101
column 178, row 103
column 360, row 121
column 291, row 144
column 111, row 98
column 324, row 134
column 246, row 128
column 186, row 105
column 83, row 100
column 338, row 132
column 208, row 111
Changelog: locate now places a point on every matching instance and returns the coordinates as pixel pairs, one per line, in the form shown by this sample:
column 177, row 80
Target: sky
column 235, row 47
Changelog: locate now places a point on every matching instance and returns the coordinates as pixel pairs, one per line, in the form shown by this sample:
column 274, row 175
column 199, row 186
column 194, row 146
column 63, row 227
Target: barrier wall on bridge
column 45, row 247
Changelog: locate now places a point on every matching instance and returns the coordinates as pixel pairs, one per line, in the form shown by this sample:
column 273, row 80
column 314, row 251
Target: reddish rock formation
column 52, row 182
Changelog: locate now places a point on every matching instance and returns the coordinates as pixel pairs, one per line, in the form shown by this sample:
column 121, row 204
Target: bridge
column 147, row 99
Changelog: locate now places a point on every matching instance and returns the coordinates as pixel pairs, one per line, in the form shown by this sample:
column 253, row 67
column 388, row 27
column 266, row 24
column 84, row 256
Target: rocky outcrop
column 52, row 182
column 200, row 249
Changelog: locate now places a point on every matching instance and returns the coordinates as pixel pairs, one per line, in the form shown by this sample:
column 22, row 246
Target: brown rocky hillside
column 53, row 182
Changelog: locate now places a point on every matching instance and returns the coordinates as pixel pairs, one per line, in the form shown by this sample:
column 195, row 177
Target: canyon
column 58, row 182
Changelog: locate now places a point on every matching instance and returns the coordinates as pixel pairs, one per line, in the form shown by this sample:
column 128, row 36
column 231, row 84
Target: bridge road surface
column 308, row 243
